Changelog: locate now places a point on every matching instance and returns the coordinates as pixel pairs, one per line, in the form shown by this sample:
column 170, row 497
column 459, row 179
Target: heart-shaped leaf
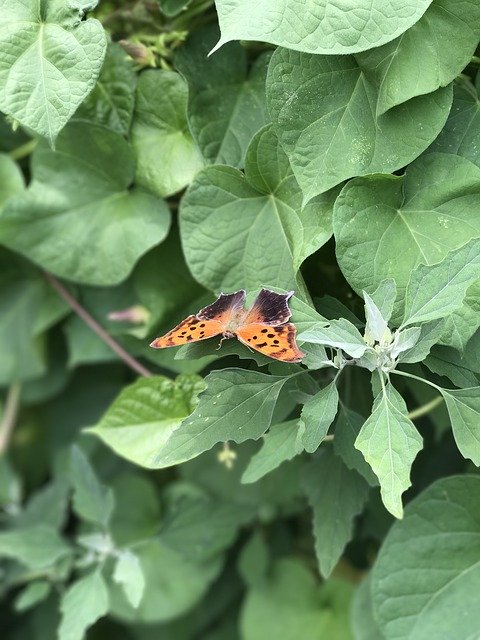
column 339, row 136
column 420, row 216
column 320, row 27
column 50, row 63
column 229, row 222
column 79, row 219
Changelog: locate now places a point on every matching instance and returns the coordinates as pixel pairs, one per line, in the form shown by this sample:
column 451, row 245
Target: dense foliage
column 326, row 147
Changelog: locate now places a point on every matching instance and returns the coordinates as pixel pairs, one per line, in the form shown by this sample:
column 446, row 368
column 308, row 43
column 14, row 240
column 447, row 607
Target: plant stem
column 410, row 375
column 96, row 327
column 425, row 408
column 23, row 150
column 10, row 415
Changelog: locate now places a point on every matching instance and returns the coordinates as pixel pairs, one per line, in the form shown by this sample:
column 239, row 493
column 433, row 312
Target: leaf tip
column 219, row 44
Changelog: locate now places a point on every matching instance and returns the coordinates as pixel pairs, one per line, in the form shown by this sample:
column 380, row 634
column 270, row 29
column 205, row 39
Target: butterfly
column 264, row 327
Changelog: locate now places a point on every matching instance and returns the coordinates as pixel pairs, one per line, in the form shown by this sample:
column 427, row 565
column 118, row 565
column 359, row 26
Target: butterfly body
column 264, row 327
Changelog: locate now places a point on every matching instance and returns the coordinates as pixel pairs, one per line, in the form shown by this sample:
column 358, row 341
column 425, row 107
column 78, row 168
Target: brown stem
column 7, row 424
column 96, row 327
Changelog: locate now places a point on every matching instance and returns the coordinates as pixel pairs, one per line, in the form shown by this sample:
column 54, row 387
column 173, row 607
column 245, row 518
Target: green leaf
column 471, row 354
column 347, row 427
column 461, row 133
column 28, row 307
column 316, row 357
column 336, row 495
column 364, row 624
column 237, row 405
column 36, row 547
column 376, row 325
column 199, row 528
column 404, row 340
column 320, row 28
column 279, row 445
column 92, row 500
column 167, row 157
column 253, row 561
column 226, row 99
column 173, row 7
column 10, row 487
column 464, row 410
column 429, row 55
column 428, row 565
column 334, row 309
column 464, row 322
column 384, row 297
column 173, row 584
column 140, row 520
column 291, row 606
column 390, row 442
column 11, row 179
column 111, row 102
column 47, row 506
column 141, row 421
column 128, row 573
column 420, row 216
column 32, row 595
column 341, row 334
column 317, row 415
column 84, row 602
column 304, row 315
column 229, row 222
column 339, row 136
column 166, row 293
column 445, row 361
column 210, row 349
column 430, row 333
column 437, row 291
column 279, row 489
column 78, row 219
column 52, row 59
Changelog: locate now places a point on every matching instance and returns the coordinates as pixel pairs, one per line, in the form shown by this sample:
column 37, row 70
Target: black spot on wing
column 224, row 302
column 261, row 344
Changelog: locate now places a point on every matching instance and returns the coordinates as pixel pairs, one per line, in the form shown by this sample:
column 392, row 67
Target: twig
column 12, row 404
column 96, row 327
column 425, row 408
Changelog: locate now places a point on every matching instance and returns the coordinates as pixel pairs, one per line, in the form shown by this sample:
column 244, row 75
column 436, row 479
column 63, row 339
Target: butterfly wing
column 224, row 307
column 270, row 308
column 192, row 329
column 208, row 322
column 276, row 342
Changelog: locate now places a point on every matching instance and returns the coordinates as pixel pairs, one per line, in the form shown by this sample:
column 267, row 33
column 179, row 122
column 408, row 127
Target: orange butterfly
column 264, row 327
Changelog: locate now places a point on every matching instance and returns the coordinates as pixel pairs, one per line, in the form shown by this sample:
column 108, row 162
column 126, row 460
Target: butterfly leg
column 225, row 336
